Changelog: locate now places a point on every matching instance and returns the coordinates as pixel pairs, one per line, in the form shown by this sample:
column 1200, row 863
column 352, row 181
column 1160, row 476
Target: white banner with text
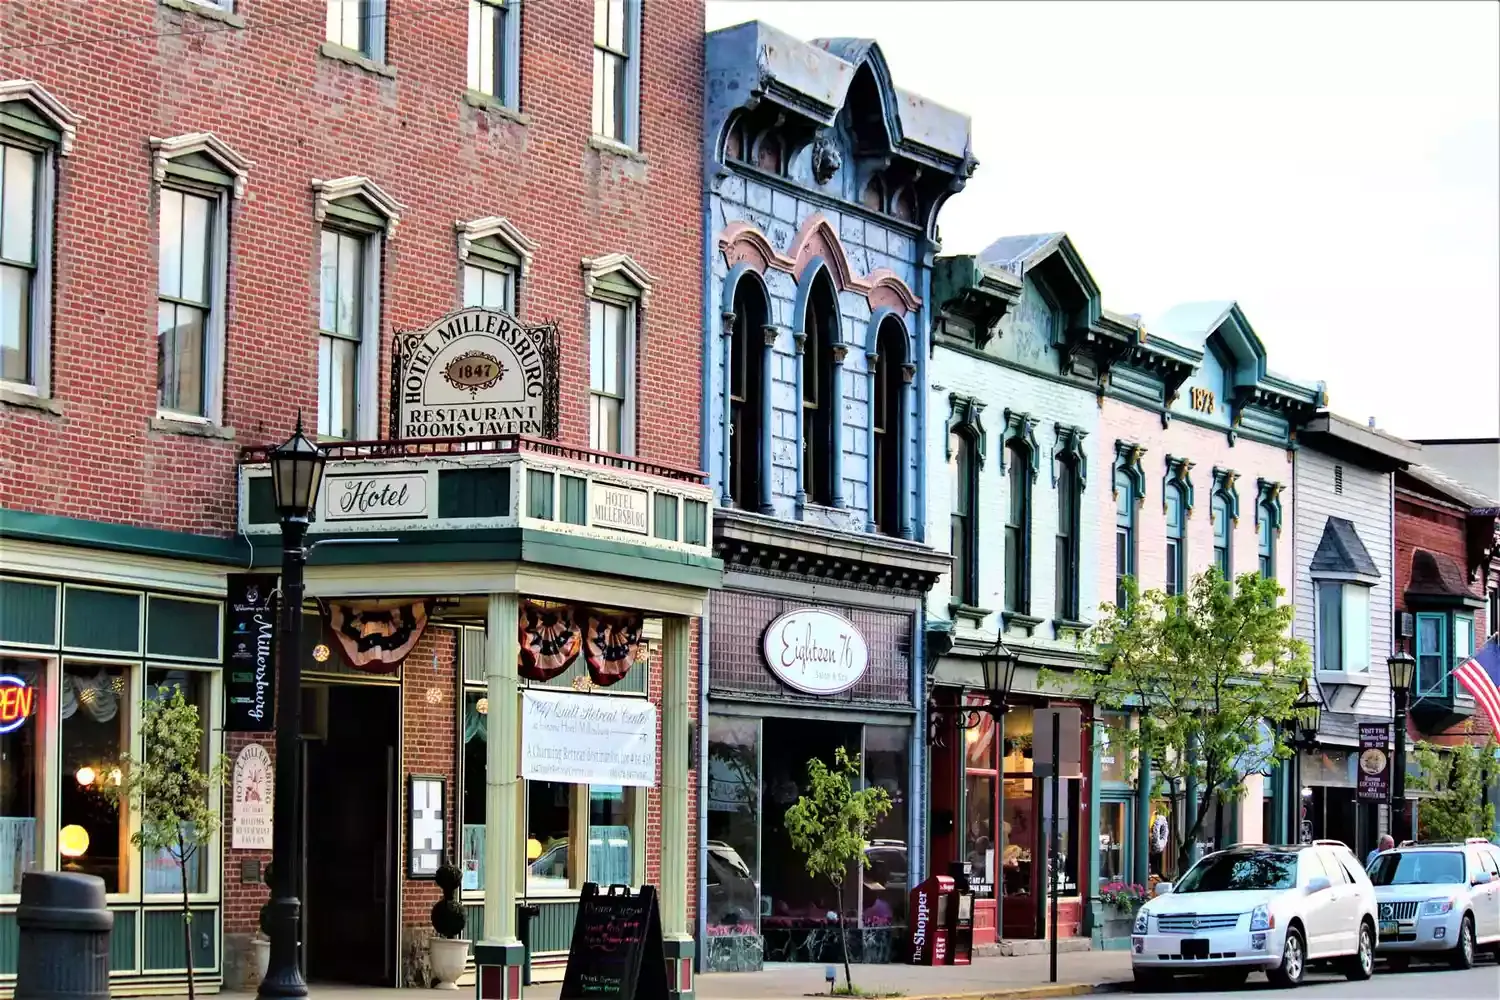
column 586, row 739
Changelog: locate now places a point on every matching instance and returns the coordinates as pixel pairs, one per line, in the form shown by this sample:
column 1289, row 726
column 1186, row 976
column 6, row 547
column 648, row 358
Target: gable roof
column 1057, row 261
column 1341, row 551
column 1451, row 488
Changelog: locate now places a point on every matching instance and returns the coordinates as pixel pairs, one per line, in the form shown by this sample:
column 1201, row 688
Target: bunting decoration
column 550, row 640
column 612, row 644
column 375, row 636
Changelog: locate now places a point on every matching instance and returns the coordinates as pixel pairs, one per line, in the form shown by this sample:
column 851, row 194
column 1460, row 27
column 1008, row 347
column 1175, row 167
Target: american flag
column 1480, row 676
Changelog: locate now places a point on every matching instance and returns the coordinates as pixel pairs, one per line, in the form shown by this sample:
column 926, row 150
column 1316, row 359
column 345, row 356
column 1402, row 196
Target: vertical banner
column 250, row 654
column 1374, row 762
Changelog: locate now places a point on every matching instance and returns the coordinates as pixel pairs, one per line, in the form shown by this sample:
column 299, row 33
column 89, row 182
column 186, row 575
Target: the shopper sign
column 1374, row 762
column 254, row 785
column 586, row 739
column 816, row 651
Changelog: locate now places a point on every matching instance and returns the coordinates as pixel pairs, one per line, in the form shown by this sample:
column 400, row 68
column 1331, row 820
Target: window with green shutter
column 182, row 629
column 28, row 613
column 101, row 620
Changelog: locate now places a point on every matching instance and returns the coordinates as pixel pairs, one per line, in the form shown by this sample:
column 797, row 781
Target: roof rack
column 1477, row 840
column 1436, row 843
column 1331, row 843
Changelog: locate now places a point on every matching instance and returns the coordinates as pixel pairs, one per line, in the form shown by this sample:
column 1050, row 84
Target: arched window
column 963, row 492
column 1125, row 508
column 747, row 346
column 888, row 402
column 1219, row 513
column 821, row 326
column 1176, row 506
column 1267, row 541
column 1066, row 577
column 1018, row 528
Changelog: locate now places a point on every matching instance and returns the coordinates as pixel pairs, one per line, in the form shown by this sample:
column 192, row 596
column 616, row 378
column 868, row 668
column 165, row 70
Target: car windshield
column 1418, row 868
column 1232, row 872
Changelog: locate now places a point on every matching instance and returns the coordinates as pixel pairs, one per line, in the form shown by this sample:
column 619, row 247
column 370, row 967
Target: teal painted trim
column 444, row 545
column 10, row 943
column 573, row 495
column 552, row 929
column 622, row 559
column 163, row 951
column 474, row 921
column 54, row 529
column 102, row 620
column 1092, row 914
column 182, row 629
column 28, row 612
column 122, row 942
column 1140, row 861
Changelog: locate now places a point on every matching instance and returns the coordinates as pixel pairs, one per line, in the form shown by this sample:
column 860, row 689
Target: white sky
column 1333, row 167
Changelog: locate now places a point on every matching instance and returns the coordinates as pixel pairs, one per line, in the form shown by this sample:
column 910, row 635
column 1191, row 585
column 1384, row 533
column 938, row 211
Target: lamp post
column 998, row 671
column 1309, row 715
column 1402, row 667
column 296, row 472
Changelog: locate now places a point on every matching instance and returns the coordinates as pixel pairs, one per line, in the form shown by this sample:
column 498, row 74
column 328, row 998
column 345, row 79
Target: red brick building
column 219, row 214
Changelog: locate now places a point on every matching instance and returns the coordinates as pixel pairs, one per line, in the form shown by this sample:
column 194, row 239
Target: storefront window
column 1113, row 763
column 161, row 873
column 733, row 873
column 979, row 825
column 885, row 880
column 548, row 820
column 609, row 836
column 1018, row 827
column 1066, row 868
column 1113, row 827
column 95, row 712
column 20, row 744
column 471, row 851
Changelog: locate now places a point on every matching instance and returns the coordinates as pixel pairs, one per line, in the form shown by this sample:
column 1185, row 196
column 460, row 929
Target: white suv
column 1438, row 898
column 1257, row 907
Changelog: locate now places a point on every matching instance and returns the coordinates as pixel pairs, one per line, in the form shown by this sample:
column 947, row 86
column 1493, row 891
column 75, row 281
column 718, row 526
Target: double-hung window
column 615, row 33
column 1018, row 530
column 186, row 310
column 494, row 39
column 341, row 327
column 1176, row 539
column 1432, row 655
column 357, row 25
column 21, row 220
column 963, row 490
column 1066, row 556
column 1343, row 626
column 490, row 285
column 1266, row 544
column 1125, row 508
column 1219, row 514
column 611, row 345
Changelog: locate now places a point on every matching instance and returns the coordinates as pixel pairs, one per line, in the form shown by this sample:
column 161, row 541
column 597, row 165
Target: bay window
column 1343, row 626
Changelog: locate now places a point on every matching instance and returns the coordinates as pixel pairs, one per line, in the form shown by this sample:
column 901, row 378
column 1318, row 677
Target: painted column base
column 497, row 970
column 679, row 954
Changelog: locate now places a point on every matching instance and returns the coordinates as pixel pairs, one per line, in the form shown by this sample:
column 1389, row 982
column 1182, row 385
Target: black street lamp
column 1402, row 668
column 296, row 472
column 1307, row 716
column 998, row 671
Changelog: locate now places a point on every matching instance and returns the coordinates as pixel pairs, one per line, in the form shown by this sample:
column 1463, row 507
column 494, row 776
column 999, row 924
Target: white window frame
column 473, row 253
column 1354, row 624
column 632, row 56
column 629, row 348
column 65, row 123
column 616, row 279
column 371, row 47
column 167, row 172
column 328, row 213
column 509, row 69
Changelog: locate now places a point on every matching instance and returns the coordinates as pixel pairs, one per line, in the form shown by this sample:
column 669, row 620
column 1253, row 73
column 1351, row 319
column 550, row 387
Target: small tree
column 830, row 826
column 1203, row 670
column 1457, row 777
column 171, row 792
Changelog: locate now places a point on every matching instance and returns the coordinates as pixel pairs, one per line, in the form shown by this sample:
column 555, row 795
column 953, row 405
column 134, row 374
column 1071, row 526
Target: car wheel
column 1151, row 979
column 1361, row 964
column 1293, row 965
column 1463, row 952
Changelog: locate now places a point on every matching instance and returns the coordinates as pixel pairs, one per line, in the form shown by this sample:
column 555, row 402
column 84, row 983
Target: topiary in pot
column 448, row 951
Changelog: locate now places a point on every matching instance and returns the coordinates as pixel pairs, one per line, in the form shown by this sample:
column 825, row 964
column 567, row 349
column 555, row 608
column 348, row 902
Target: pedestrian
column 1386, row 843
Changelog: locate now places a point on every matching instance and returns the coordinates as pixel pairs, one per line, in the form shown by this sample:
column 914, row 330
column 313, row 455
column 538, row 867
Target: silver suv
column 1438, row 900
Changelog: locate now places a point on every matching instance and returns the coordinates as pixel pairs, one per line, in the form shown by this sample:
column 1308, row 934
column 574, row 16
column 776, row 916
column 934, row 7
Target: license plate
column 1195, row 948
column 1389, row 927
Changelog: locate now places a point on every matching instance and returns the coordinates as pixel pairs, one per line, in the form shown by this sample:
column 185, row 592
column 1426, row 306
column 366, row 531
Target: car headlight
column 1261, row 918
column 1437, row 907
column 1142, row 922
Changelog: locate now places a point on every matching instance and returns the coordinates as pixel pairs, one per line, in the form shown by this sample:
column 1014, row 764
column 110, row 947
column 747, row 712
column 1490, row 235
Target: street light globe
column 72, row 841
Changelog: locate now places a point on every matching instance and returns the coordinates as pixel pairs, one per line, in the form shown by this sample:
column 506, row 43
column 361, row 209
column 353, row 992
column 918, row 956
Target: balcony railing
column 491, row 482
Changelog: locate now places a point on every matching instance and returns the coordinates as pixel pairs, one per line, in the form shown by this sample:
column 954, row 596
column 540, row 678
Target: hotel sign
column 816, row 651
column 619, row 507
column 379, row 496
column 476, row 373
column 254, row 784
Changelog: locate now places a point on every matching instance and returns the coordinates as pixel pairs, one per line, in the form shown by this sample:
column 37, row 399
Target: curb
column 1023, row 992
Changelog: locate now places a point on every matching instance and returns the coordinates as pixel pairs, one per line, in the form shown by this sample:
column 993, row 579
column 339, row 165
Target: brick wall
column 299, row 116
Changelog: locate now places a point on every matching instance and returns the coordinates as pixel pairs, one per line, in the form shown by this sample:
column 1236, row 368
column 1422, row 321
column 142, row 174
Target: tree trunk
column 187, row 913
column 844, row 938
column 1190, row 835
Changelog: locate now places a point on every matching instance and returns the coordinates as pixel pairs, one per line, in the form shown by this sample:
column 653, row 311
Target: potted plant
column 448, row 949
column 260, row 944
column 1121, row 900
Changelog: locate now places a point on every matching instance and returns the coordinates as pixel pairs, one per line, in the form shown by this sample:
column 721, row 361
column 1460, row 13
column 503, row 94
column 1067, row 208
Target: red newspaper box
column 929, row 921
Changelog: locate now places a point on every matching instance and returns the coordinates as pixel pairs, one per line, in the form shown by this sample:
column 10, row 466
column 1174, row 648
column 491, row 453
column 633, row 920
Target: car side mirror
column 1162, row 888
column 1480, row 878
column 1317, row 884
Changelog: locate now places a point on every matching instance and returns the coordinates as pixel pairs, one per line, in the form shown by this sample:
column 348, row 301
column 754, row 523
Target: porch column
column 502, row 789
column 1142, row 856
column 675, row 716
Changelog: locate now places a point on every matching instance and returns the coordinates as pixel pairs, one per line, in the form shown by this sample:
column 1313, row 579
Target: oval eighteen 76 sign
column 816, row 651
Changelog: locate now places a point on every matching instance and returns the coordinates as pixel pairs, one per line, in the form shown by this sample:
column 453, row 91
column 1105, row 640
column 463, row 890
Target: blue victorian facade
column 823, row 181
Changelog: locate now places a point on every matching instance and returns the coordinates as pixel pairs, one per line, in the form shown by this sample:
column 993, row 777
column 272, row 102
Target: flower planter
column 261, row 949
column 1118, row 922
column 449, row 955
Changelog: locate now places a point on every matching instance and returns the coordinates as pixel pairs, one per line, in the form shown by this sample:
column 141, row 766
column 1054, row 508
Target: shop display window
column 471, row 852
column 1114, row 826
column 884, row 882
column 20, row 766
column 94, row 836
column 161, row 874
column 549, row 813
column 733, row 834
column 610, row 853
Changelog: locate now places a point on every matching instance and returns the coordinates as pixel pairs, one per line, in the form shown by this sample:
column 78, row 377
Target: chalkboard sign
column 616, row 949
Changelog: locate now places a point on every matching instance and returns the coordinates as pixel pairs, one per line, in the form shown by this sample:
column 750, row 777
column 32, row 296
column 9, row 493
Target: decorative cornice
column 759, row 543
column 595, row 268
column 1022, row 426
column 501, row 229
column 1069, row 443
column 210, row 145
column 1224, row 481
column 815, row 234
column 325, row 193
column 65, row 121
column 1179, row 471
column 1128, row 456
column 964, row 415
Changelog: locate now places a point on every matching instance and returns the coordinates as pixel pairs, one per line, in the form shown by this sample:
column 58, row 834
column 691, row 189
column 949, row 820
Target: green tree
column 171, row 791
column 1202, row 670
column 1456, row 776
column 831, row 824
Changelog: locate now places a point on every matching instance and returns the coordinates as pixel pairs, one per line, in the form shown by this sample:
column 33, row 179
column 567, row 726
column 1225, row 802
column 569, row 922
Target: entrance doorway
column 349, row 829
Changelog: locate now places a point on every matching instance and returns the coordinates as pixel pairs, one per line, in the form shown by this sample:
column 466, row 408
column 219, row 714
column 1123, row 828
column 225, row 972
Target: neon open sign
column 16, row 699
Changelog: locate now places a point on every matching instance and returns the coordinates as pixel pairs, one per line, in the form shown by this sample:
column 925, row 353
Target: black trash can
column 64, row 937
